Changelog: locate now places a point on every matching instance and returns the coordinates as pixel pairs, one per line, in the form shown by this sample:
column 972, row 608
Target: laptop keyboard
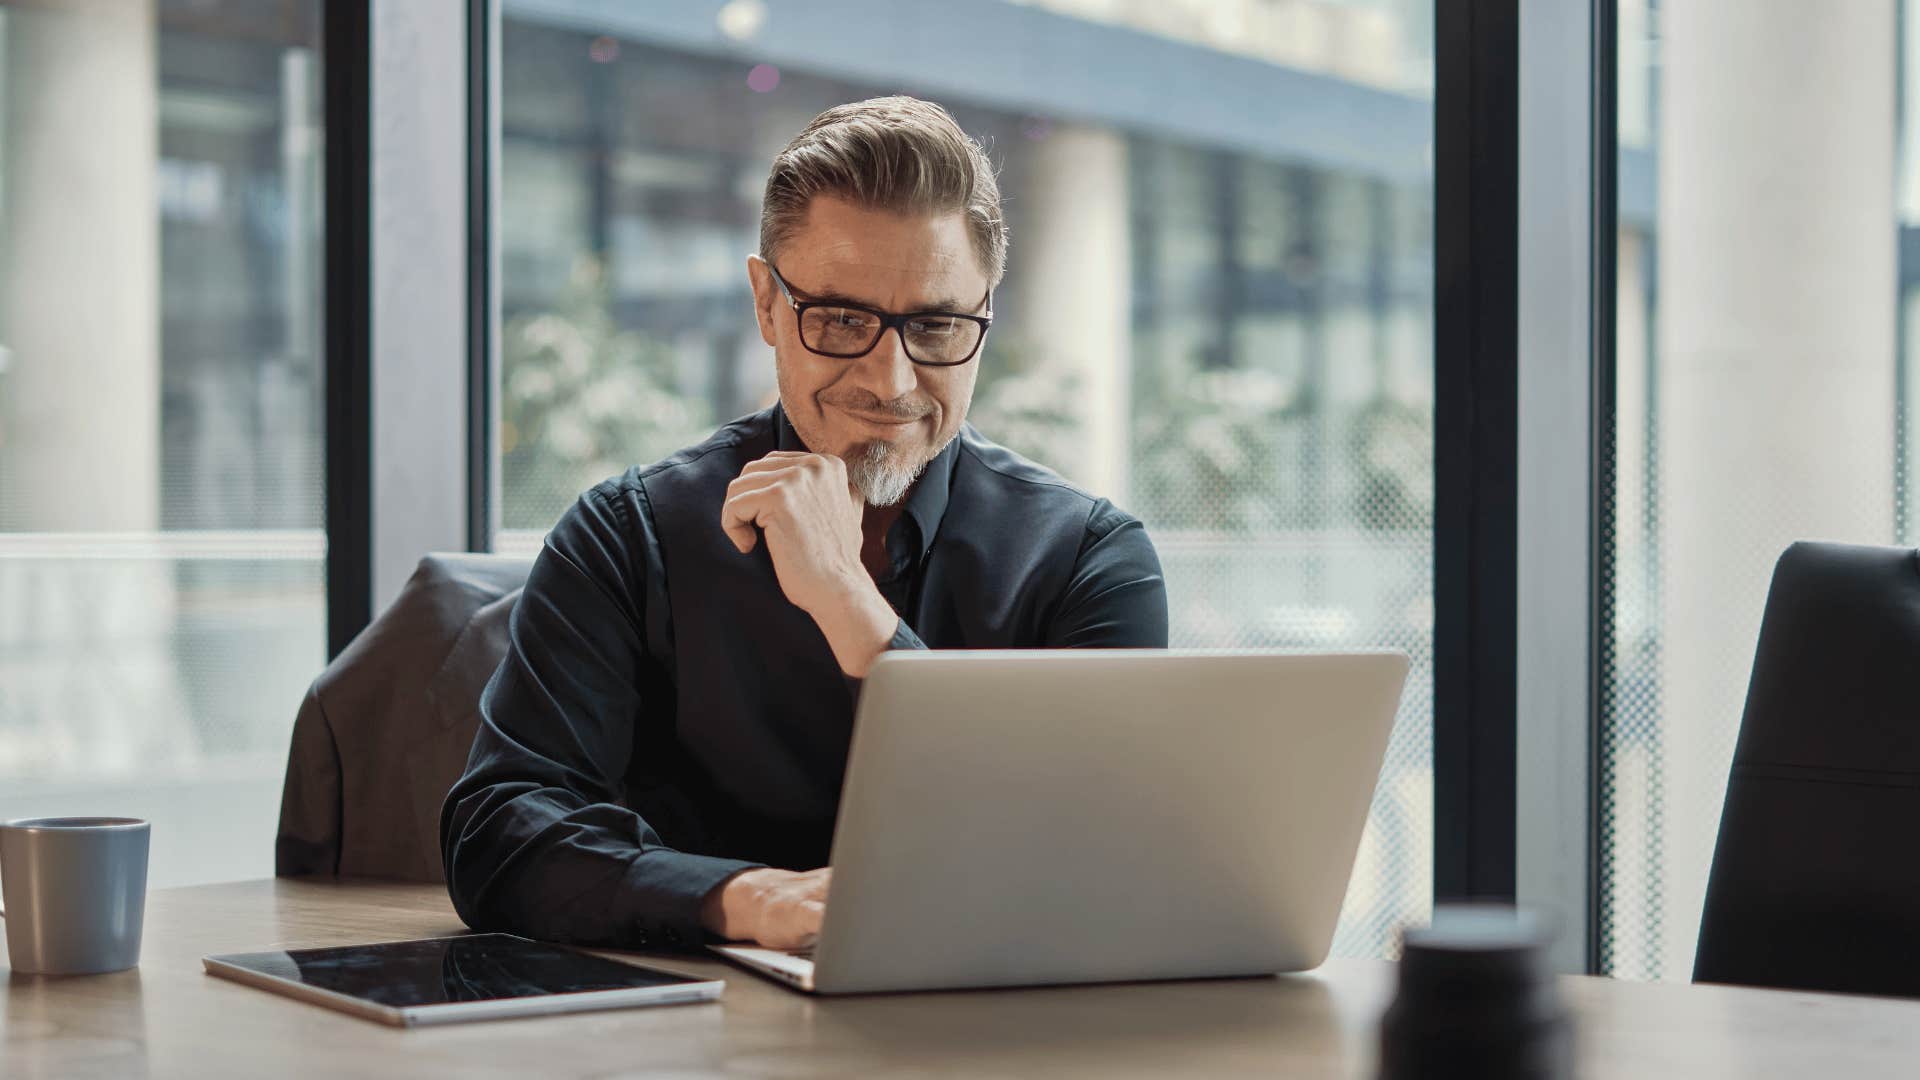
column 802, row 953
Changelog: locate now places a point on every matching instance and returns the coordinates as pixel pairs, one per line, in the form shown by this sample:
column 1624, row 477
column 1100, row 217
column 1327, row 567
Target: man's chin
column 881, row 472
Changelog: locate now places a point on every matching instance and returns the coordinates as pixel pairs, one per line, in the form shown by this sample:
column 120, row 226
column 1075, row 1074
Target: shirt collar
column 926, row 503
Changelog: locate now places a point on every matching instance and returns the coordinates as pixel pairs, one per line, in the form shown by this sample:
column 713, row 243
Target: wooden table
column 167, row 1018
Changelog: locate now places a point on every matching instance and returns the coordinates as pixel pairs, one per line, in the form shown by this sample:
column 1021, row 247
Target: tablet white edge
column 385, row 1014
column 551, row 1004
column 459, row 1011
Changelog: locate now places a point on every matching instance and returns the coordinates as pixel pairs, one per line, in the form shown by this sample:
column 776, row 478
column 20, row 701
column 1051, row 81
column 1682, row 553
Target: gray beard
column 880, row 479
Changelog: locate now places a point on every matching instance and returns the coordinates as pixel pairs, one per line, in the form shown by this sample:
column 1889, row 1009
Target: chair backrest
column 387, row 727
column 1815, row 881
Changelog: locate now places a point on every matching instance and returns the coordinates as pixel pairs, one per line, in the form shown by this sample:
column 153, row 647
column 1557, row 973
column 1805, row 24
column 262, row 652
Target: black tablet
column 475, row 977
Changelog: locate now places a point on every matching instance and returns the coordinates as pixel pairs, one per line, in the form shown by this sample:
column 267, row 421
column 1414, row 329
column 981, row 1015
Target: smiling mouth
column 883, row 421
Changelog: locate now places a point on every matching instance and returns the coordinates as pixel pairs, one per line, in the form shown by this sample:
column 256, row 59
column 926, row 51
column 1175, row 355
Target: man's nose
column 886, row 371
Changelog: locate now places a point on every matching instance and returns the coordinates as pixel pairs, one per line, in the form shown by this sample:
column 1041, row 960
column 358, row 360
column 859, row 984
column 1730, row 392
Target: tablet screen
column 440, row 971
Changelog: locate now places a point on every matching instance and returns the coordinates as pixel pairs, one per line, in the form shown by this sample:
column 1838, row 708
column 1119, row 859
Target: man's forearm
column 540, row 864
column 858, row 626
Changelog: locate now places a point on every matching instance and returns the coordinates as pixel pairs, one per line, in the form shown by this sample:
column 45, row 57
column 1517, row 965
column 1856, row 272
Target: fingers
column 778, row 461
column 747, row 501
column 742, row 515
column 744, row 536
column 808, row 892
column 795, row 925
column 756, row 492
column 739, row 519
column 802, row 908
column 789, row 460
column 747, row 482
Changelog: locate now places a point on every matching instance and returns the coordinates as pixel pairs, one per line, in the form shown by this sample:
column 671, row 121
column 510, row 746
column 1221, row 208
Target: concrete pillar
column 79, row 269
column 85, row 642
column 1775, row 351
column 1072, row 268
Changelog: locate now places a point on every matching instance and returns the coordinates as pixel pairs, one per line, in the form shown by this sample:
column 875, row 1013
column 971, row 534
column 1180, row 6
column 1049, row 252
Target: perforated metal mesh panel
column 1731, row 440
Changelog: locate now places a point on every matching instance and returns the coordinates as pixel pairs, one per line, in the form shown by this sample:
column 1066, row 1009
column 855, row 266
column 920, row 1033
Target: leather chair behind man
column 1815, row 884
column 386, row 728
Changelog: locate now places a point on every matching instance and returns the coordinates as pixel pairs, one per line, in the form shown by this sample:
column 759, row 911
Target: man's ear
column 765, row 295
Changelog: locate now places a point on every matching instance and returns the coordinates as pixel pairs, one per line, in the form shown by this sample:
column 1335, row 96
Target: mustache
column 865, row 401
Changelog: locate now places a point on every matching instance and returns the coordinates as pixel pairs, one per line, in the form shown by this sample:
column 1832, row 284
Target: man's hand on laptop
column 810, row 515
column 780, row 909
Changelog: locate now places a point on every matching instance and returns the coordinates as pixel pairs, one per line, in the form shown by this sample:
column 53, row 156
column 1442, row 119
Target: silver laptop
column 1021, row 818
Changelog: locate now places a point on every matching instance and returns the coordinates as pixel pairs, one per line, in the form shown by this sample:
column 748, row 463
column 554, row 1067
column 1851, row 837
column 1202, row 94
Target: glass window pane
column 1765, row 269
column 1226, row 328
column 161, row 551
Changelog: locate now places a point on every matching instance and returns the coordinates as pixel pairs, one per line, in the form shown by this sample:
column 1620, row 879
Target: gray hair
column 890, row 153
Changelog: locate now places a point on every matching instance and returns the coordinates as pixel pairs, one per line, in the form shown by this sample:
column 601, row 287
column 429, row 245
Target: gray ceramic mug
column 75, row 892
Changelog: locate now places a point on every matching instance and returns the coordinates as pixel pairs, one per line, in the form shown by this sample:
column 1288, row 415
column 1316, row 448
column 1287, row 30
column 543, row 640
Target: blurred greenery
column 1209, row 447
column 1221, row 450
column 1027, row 407
column 1391, row 441
column 1216, row 450
column 1226, row 451
column 582, row 399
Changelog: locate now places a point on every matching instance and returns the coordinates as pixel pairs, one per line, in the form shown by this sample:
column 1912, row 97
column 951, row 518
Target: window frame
column 483, row 254
column 1524, row 122
column 347, row 83
column 401, row 311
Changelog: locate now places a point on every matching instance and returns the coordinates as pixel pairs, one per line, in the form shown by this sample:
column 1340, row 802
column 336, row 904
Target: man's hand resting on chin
column 780, row 909
column 810, row 516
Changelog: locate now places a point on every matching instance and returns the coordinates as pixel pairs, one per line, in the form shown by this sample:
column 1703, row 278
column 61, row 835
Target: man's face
column 884, row 415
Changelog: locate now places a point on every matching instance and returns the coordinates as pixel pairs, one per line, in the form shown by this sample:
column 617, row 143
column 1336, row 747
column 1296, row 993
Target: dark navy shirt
column 665, row 718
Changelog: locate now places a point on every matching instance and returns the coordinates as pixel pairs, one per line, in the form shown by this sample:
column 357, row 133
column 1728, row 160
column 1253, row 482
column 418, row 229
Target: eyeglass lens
column 930, row 339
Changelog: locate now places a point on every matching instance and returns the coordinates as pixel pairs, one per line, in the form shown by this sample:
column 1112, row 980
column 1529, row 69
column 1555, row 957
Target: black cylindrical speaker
column 1476, row 999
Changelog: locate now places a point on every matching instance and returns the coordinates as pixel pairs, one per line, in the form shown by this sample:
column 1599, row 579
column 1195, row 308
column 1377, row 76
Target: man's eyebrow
column 829, row 296
column 835, row 296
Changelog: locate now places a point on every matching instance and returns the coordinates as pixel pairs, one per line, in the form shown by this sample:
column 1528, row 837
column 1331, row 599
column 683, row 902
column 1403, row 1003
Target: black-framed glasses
column 848, row 331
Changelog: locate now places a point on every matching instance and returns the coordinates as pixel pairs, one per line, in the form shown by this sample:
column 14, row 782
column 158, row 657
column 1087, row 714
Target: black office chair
column 1816, row 877
column 386, row 728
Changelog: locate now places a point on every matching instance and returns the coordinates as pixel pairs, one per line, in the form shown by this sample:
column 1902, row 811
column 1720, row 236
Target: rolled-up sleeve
column 533, row 834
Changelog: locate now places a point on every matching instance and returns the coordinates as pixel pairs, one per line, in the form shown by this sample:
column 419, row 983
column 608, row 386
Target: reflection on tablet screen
column 438, row 971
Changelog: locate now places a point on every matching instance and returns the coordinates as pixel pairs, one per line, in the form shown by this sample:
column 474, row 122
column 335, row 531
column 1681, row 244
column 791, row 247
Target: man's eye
column 933, row 326
column 850, row 319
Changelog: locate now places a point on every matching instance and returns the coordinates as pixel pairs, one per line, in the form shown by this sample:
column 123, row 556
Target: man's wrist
column 858, row 626
column 726, row 907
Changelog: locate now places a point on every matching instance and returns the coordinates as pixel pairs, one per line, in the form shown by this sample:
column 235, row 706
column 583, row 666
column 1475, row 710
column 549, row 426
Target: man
column 661, row 751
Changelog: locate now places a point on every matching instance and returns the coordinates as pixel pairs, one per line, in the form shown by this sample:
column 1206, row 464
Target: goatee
column 879, row 475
